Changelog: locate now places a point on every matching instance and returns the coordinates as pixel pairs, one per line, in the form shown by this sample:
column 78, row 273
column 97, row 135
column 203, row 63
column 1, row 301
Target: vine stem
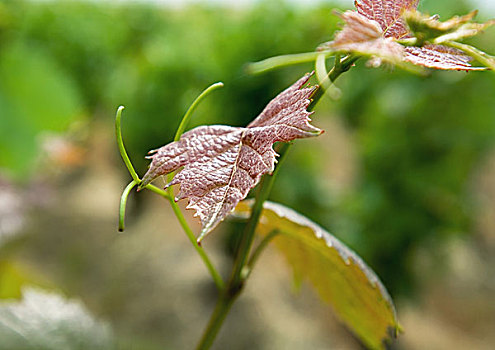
column 242, row 266
column 125, row 195
column 166, row 194
column 259, row 249
column 284, row 61
column 120, row 144
column 192, row 108
column 237, row 278
column 192, row 238
column 175, row 207
column 482, row 57
column 123, row 203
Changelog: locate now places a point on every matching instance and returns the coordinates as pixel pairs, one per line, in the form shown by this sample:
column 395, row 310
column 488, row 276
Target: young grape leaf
column 439, row 57
column 388, row 13
column 46, row 321
column 222, row 163
column 430, row 29
column 365, row 37
column 377, row 24
column 340, row 276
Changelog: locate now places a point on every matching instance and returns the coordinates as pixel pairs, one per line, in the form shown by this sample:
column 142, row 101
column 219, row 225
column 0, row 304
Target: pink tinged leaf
column 358, row 29
column 220, row 164
column 365, row 37
column 388, row 13
column 439, row 57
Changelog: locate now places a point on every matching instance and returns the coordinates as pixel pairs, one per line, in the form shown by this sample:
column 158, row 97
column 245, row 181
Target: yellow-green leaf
column 340, row 276
column 429, row 28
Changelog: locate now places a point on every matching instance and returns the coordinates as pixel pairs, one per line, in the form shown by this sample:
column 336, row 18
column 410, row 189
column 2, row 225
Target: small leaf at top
column 220, row 164
column 388, row 13
column 339, row 275
column 364, row 36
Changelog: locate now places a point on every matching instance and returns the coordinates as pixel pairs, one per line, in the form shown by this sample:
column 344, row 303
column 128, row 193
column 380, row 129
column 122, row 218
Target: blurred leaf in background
column 48, row 321
column 35, row 96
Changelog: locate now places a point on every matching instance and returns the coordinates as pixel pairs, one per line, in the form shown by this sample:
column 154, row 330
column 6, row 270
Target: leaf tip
column 202, row 235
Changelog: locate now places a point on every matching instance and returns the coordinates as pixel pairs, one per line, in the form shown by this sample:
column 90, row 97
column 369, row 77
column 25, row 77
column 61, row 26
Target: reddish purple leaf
column 220, row 164
column 439, row 57
column 388, row 13
column 365, row 37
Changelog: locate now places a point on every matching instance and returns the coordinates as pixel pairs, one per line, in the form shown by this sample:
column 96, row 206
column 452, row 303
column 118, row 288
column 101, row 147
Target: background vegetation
column 403, row 174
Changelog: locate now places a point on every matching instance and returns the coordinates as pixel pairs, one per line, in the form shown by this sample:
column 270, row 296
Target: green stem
column 187, row 117
column 192, row 107
column 158, row 191
column 283, row 61
column 123, row 204
column 237, row 279
column 168, row 195
column 241, row 266
column 222, row 308
column 125, row 195
column 120, row 143
column 482, row 57
column 170, row 191
column 321, row 70
column 340, row 67
column 250, row 229
column 408, row 41
column 343, row 66
column 257, row 252
column 323, row 79
column 190, row 235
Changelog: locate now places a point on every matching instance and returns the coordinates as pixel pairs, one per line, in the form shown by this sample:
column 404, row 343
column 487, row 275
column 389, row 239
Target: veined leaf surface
column 439, row 57
column 340, row 276
column 388, row 13
column 364, row 36
column 220, row 164
column 386, row 23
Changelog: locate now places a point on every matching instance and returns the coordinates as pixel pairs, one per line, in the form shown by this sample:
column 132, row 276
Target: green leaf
column 35, row 97
column 340, row 276
column 44, row 320
column 429, row 28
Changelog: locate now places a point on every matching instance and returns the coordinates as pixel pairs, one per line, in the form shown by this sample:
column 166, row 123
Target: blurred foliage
column 418, row 139
column 46, row 321
column 352, row 289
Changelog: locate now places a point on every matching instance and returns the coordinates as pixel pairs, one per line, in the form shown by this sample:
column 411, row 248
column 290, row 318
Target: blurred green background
column 404, row 174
